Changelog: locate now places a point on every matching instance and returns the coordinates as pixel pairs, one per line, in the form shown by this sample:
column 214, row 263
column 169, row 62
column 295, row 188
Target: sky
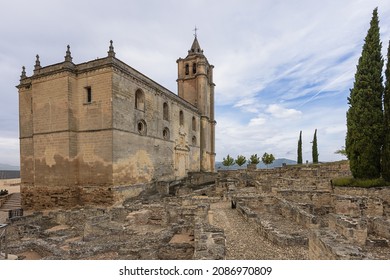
column 281, row 66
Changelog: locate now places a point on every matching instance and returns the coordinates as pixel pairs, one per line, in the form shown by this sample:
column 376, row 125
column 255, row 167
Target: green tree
column 365, row 116
column 315, row 148
column 299, row 159
column 228, row 161
column 267, row 159
column 240, row 160
column 341, row 151
column 254, row 159
column 386, row 141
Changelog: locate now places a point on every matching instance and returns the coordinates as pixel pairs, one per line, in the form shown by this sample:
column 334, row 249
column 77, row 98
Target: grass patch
column 365, row 183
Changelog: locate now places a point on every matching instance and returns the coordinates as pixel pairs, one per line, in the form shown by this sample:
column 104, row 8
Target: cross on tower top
column 196, row 29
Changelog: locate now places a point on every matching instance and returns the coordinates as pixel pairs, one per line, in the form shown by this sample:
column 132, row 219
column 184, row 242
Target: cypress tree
column 365, row 115
column 386, row 141
column 299, row 159
column 315, row 148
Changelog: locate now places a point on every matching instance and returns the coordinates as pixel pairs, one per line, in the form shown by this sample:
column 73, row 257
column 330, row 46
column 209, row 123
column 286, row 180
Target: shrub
column 365, row 183
column 3, row 192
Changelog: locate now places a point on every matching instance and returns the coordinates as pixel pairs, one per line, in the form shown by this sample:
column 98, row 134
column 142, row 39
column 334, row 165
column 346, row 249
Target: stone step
column 13, row 202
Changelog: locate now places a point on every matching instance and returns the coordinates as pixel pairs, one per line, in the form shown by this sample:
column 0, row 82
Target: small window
column 165, row 111
column 193, row 140
column 88, row 91
column 194, row 68
column 193, row 124
column 141, row 127
column 166, row 135
column 181, row 117
column 187, row 67
column 139, row 100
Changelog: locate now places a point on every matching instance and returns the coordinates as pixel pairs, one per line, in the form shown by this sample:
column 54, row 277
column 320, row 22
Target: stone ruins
column 294, row 207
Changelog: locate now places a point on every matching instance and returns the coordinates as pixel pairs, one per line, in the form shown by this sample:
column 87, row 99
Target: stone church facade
column 92, row 129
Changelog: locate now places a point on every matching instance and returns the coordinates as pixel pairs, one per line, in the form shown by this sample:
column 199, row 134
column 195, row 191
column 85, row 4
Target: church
column 93, row 131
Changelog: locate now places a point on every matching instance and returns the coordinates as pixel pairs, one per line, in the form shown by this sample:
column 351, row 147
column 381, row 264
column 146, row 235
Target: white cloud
column 259, row 121
column 280, row 112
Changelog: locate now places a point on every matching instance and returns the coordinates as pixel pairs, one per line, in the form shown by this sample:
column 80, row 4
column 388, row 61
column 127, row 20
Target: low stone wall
column 380, row 227
column 353, row 229
column 296, row 214
column 358, row 206
column 296, row 177
column 273, row 234
column 265, row 227
column 378, row 198
column 210, row 242
column 329, row 245
column 318, row 199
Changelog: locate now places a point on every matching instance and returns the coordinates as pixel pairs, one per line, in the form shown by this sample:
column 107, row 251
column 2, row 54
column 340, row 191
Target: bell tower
column 195, row 85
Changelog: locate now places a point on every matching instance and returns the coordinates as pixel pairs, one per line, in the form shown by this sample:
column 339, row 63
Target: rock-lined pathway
column 243, row 242
column 13, row 202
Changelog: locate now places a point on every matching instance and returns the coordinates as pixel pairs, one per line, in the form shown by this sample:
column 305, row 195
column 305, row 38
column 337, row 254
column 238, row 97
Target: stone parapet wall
column 297, row 177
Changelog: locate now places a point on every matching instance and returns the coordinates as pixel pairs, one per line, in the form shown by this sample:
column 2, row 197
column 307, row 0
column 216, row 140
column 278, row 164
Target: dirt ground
column 13, row 186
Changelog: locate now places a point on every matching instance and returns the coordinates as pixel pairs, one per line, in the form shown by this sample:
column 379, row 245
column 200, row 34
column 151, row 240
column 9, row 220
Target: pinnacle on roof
column 68, row 56
column 23, row 75
column 111, row 52
column 37, row 65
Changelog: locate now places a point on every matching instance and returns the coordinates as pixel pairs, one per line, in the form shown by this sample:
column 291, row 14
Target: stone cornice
column 97, row 64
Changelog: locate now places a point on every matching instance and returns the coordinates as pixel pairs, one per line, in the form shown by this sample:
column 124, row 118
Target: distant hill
column 277, row 163
column 4, row 166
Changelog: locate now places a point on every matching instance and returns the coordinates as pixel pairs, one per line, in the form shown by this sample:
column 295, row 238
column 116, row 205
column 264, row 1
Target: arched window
column 165, row 111
column 139, row 100
column 187, row 68
column 166, row 135
column 141, row 127
column 193, row 124
column 181, row 117
column 194, row 68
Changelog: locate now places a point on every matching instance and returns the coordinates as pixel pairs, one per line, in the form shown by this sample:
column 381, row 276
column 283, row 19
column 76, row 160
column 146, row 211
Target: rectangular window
column 89, row 94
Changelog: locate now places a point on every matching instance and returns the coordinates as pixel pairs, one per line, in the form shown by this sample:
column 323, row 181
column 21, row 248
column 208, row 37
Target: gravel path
column 244, row 243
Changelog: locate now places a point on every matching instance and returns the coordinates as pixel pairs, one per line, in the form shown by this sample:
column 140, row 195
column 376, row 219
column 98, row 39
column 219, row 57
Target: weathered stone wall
column 168, row 149
column 50, row 197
